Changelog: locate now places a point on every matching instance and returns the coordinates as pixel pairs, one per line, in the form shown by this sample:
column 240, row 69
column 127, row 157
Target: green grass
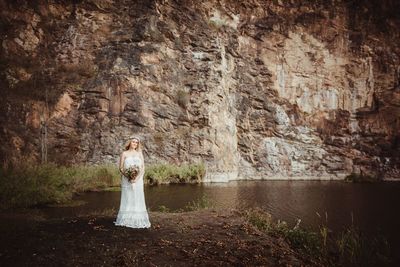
column 169, row 174
column 301, row 239
column 204, row 202
column 346, row 248
column 29, row 184
column 163, row 208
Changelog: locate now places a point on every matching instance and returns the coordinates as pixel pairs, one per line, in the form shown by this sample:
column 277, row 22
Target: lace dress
column 132, row 211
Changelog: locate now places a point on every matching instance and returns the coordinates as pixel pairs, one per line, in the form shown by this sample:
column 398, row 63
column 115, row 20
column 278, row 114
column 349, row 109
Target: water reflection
column 370, row 205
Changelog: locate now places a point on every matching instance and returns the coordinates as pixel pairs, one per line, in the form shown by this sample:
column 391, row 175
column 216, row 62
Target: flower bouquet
column 131, row 173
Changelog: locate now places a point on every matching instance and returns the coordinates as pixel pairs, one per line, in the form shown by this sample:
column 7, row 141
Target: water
column 371, row 207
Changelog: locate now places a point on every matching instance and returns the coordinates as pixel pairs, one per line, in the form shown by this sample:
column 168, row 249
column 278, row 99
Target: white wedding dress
column 132, row 211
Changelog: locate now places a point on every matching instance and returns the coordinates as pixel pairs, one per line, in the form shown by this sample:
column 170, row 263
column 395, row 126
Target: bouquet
column 132, row 172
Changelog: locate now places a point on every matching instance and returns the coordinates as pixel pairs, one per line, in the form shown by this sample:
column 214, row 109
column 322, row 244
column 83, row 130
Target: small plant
column 299, row 238
column 347, row 248
column 356, row 249
column 163, row 208
column 129, row 258
column 261, row 220
column 216, row 24
column 324, row 230
column 182, row 98
column 202, row 203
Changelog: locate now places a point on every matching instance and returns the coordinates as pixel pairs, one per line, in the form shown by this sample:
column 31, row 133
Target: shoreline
column 279, row 179
column 29, row 185
column 116, row 187
column 206, row 237
column 202, row 237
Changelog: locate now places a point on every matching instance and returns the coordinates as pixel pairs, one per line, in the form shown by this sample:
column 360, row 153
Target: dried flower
column 132, row 172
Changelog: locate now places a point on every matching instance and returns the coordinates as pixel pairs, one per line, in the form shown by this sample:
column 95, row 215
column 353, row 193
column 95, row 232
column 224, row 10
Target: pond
column 371, row 207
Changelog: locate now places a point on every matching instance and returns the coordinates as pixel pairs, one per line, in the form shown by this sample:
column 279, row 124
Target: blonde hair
column 128, row 144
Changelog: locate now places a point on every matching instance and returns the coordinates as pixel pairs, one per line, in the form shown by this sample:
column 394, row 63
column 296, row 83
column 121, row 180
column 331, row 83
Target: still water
column 371, row 207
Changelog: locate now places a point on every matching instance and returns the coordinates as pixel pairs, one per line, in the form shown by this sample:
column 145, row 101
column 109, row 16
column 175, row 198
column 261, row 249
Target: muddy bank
column 206, row 237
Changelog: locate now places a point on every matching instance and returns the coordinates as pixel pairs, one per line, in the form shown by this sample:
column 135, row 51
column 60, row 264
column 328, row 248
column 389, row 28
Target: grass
column 169, row 173
column 356, row 249
column 204, row 202
column 100, row 212
column 31, row 184
column 301, row 239
column 362, row 178
column 347, row 248
column 129, row 258
column 28, row 184
column 163, row 208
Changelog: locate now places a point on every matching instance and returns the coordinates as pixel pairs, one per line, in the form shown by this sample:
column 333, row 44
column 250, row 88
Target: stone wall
column 255, row 89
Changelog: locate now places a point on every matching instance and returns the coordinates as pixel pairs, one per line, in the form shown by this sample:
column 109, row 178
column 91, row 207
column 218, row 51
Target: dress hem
column 132, row 225
column 133, row 219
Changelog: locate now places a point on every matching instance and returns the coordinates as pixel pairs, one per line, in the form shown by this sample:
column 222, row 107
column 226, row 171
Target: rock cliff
column 255, row 89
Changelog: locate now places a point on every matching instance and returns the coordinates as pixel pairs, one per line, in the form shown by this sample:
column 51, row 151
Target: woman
column 132, row 211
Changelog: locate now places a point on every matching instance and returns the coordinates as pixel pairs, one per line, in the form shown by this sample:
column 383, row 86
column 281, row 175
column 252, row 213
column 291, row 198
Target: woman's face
column 134, row 143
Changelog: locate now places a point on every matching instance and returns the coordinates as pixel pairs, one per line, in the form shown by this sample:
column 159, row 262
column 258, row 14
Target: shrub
column 163, row 208
column 202, row 203
column 347, row 248
column 169, row 173
column 29, row 184
column 301, row 239
column 356, row 249
column 362, row 178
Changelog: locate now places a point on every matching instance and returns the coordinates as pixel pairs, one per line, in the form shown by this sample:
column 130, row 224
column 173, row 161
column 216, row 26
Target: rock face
column 254, row 89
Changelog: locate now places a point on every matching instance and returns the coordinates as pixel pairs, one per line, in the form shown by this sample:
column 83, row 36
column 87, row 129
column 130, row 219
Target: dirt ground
column 195, row 238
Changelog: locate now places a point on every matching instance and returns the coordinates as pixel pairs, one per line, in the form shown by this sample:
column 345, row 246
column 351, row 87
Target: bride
column 132, row 211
